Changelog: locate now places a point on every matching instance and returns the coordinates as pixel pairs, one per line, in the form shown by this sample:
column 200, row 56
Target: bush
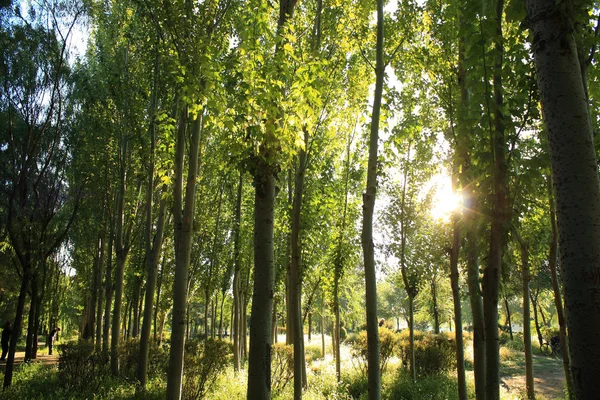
column 313, row 352
column 282, row 366
column 204, row 361
column 129, row 358
column 435, row 387
column 81, row 369
column 434, row 354
column 388, row 343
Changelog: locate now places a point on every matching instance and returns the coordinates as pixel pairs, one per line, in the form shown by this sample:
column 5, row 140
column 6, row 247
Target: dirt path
column 548, row 378
column 41, row 358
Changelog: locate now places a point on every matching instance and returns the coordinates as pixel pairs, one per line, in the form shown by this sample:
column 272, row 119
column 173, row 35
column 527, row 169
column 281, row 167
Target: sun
column 445, row 201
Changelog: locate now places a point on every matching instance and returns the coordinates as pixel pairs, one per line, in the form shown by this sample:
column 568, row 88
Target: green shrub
column 517, row 344
column 204, row 361
column 282, row 366
column 434, row 354
column 80, row 369
column 313, row 352
column 129, row 358
column 388, row 343
column 434, row 387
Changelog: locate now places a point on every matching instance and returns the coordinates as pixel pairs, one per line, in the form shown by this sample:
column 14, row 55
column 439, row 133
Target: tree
column 574, row 171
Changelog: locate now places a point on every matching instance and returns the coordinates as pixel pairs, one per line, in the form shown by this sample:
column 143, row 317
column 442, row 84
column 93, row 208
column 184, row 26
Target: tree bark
column 259, row 360
column 184, row 223
column 367, row 226
column 236, row 323
column 491, row 275
column 295, row 282
column 552, row 259
column 454, row 282
column 576, row 183
column 508, row 320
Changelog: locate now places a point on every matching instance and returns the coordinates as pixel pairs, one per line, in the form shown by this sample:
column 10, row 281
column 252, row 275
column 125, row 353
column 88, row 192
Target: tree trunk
column 121, row 252
column 470, row 215
column 100, row 292
column 575, row 176
column 508, row 321
column 491, row 274
column 436, row 314
column 367, row 228
column 17, row 326
column 454, row 282
column 411, row 338
column 221, row 317
column 108, row 288
column 552, row 259
column 259, row 361
column 184, row 223
column 526, row 321
column 153, row 250
column 135, row 307
column 535, row 318
column 295, row 282
column 236, row 323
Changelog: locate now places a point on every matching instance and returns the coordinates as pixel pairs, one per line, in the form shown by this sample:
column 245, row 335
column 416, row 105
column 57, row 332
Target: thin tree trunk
column 508, row 318
column 535, row 318
column 100, row 292
column 436, row 314
column 296, row 274
column 552, row 259
column 526, row 321
column 17, row 326
column 576, row 183
column 454, row 282
column 184, row 223
column 221, row 317
column 367, row 228
column 108, row 288
column 411, row 337
column 236, row 323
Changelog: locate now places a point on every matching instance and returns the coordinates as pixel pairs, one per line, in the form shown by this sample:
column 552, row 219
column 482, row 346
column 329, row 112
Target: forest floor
column 549, row 377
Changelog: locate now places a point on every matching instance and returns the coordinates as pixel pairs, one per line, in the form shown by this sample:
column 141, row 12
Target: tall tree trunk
column 535, row 318
column 31, row 319
column 491, row 274
column 220, row 331
column 135, row 306
column 153, row 250
column 454, row 283
column 108, row 289
column 508, row 321
column 411, row 337
column 296, row 274
column 236, row 322
column 259, row 360
column 17, row 326
column 367, row 228
column 575, row 176
column 184, row 223
column 552, row 259
column 100, row 292
column 436, row 314
column 526, row 320
column 121, row 252
column 158, row 291
column 470, row 224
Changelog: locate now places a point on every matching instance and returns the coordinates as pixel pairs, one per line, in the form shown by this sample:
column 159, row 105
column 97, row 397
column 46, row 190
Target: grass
column 35, row 381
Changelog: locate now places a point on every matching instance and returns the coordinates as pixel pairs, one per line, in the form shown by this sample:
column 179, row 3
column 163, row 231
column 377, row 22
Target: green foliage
column 80, row 369
column 312, row 352
column 129, row 356
column 282, row 366
column 388, row 345
column 434, row 354
column 203, row 363
column 433, row 387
